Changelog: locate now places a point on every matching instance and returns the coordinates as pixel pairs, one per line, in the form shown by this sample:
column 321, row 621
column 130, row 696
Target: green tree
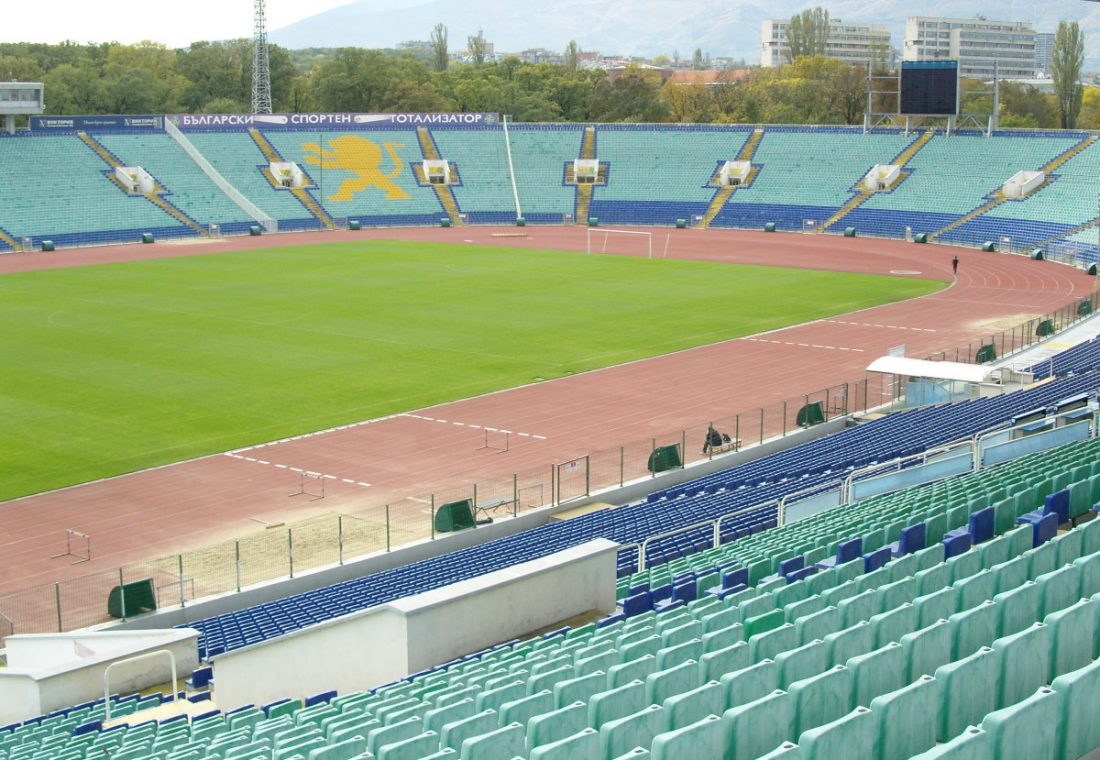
column 633, row 96
column 477, row 47
column 807, row 33
column 440, row 57
column 354, row 79
column 697, row 60
column 572, row 56
column 1069, row 57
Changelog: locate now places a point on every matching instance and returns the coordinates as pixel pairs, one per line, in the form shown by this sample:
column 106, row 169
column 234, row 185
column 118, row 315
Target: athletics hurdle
column 79, row 537
column 317, row 493
column 494, row 443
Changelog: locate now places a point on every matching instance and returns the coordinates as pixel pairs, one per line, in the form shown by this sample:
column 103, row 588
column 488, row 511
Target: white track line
column 475, row 427
column 805, row 345
column 875, row 324
column 299, row 470
column 313, row 434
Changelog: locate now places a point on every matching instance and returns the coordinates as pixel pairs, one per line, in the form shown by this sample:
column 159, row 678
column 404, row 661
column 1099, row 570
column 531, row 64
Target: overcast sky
column 172, row 22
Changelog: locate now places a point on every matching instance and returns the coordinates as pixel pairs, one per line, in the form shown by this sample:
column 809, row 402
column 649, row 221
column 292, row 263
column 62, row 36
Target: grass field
column 110, row 369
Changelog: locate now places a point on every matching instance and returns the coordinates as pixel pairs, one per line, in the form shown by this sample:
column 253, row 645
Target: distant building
column 418, row 45
column 854, row 43
column 540, row 55
column 1044, row 53
column 978, row 44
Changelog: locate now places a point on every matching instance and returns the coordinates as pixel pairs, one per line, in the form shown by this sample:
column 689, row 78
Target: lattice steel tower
column 261, row 68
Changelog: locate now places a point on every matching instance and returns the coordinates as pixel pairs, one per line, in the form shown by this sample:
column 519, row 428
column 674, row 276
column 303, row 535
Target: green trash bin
column 849, row 232
column 445, row 221
column 769, row 227
column 920, row 237
column 1092, row 270
column 986, row 354
column 1036, row 254
column 354, row 224
column 521, row 222
column 681, row 224
column 454, row 515
column 593, row 221
column 665, row 458
column 147, row 237
column 811, row 414
column 255, row 230
column 988, row 246
column 1084, row 308
column 1045, row 328
column 132, row 599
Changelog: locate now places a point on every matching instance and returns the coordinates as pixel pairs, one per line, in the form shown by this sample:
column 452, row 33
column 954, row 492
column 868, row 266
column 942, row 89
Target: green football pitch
column 113, row 368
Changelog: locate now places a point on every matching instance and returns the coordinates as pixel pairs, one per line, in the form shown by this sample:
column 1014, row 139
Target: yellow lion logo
column 363, row 159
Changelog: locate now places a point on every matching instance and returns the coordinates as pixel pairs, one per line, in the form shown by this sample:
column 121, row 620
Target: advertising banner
column 300, row 121
column 96, row 122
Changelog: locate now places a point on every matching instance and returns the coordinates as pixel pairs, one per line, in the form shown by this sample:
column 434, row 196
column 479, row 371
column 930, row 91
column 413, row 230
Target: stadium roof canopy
column 901, row 365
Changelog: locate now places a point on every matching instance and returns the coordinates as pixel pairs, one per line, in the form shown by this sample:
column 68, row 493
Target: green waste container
column 665, row 458
column 681, row 224
column 986, row 354
column 354, row 224
column 47, row 245
column 1092, row 270
column 811, row 414
column 521, row 222
column 920, row 237
column 255, row 230
column 445, row 221
column 1084, row 308
column 454, row 515
column 769, row 227
column 1045, row 328
column 988, row 246
column 147, row 237
column 849, row 232
column 132, row 599
column 593, row 221
column 1036, row 253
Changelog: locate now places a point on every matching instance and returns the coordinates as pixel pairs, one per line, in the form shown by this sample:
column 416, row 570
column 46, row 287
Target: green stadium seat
column 965, row 691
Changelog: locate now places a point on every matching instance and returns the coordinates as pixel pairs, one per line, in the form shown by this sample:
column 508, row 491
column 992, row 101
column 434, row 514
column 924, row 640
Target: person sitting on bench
column 714, row 440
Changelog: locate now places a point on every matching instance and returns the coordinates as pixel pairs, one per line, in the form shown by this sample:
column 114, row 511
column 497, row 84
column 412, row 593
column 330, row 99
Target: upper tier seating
column 189, row 190
column 58, row 189
column 540, row 153
column 657, row 176
column 481, row 158
column 807, row 175
column 379, row 193
column 236, row 157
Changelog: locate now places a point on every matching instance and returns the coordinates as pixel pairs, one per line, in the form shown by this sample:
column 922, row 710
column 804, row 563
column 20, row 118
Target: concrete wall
column 49, row 671
column 385, row 643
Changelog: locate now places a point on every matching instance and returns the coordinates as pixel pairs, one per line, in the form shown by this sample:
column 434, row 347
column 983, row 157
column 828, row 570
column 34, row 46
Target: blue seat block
column 874, row 560
column 981, row 525
column 956, row 542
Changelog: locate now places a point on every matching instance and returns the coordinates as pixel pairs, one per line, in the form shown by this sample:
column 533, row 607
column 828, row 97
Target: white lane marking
column 308, row 473
column 803, row 345
column 875, row 324
column 475, row 427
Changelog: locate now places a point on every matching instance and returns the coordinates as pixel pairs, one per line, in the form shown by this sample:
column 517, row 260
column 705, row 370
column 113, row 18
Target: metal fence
column 284, row 551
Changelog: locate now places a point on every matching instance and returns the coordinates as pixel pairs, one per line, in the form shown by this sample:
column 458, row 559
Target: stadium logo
column 363, row 159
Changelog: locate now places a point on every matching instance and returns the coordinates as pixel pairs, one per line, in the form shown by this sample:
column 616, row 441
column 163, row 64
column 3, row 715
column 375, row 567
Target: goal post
column 631, row 242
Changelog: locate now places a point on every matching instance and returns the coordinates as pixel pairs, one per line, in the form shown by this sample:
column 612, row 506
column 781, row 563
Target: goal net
column 621, row 242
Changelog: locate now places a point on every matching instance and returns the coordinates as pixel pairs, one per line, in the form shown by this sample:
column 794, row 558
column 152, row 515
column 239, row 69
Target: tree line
column 216, row 77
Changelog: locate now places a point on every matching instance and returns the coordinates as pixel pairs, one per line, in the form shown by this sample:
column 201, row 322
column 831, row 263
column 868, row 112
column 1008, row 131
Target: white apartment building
column 977, row 44
column 849, row 42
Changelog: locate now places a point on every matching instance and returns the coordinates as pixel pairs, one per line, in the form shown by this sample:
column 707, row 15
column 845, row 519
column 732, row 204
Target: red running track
column 177, row 507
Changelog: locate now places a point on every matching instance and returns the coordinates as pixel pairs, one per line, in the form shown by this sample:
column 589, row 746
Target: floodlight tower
column 261, row 68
